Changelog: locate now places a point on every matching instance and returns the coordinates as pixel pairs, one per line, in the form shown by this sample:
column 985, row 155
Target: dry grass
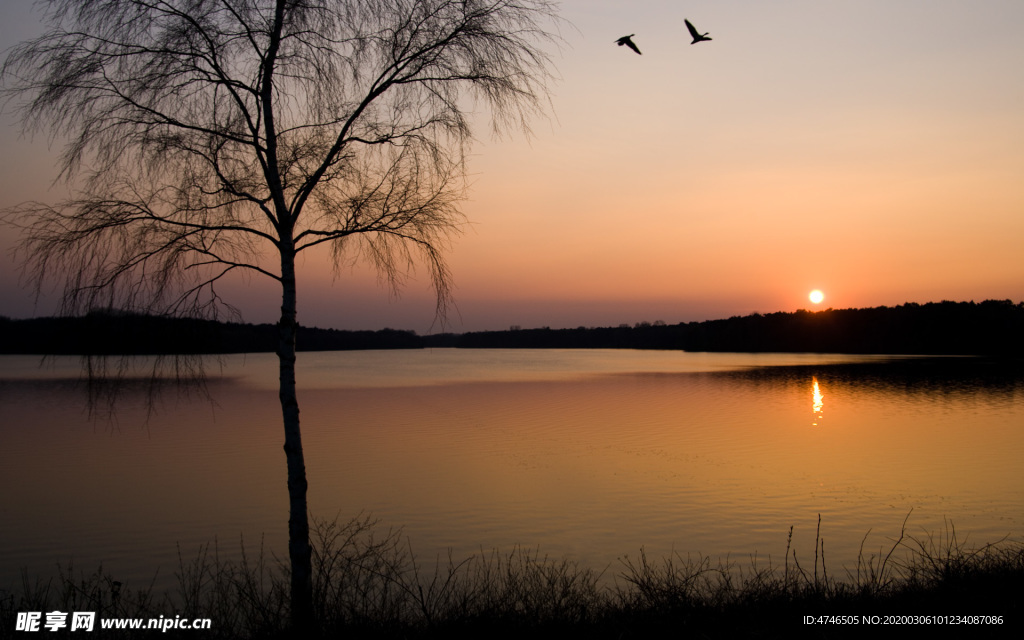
column 368, row 583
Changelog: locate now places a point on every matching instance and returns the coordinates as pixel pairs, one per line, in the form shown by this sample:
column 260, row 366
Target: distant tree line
column 992, row 327
column 103, row 333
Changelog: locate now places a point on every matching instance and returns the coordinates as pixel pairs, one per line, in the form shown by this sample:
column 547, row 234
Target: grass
column 369, row 584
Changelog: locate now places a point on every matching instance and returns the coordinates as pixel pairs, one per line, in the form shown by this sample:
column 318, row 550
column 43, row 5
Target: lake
column 590, row 455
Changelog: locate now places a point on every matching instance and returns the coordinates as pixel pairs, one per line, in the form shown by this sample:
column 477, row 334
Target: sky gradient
column 872, row 150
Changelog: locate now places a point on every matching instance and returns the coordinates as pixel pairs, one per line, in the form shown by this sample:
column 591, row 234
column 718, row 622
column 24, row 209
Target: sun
column 816, row 296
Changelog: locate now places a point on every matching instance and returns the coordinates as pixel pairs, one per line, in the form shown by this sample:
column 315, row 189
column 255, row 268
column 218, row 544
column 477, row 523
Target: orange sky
column 873, row 150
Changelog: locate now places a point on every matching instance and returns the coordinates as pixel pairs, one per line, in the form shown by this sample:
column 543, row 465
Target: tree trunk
column 299, row 550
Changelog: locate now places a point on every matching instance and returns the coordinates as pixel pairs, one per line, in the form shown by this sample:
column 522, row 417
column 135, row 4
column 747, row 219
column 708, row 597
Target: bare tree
column 206, row 137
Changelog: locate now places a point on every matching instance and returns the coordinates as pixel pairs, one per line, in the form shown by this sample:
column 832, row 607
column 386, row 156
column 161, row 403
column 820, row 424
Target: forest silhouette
column 992, row 327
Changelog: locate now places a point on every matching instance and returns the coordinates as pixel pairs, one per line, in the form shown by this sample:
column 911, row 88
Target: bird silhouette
column 697, row 37
column 625, row 40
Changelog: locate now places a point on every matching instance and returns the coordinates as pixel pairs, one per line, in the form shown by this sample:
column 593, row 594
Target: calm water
column 589, row 455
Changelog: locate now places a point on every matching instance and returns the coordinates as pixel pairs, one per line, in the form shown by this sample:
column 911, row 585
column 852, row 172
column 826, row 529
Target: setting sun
column 816, row 296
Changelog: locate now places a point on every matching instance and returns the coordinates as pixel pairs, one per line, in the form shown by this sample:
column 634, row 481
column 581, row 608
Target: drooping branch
column 132, row 254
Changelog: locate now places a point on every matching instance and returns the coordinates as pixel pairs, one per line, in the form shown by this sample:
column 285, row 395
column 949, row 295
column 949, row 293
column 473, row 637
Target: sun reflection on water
column 816, row 402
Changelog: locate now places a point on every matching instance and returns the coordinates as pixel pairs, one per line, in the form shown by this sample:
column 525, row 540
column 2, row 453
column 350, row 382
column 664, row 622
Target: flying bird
column 625, row 40
column 697, row 37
